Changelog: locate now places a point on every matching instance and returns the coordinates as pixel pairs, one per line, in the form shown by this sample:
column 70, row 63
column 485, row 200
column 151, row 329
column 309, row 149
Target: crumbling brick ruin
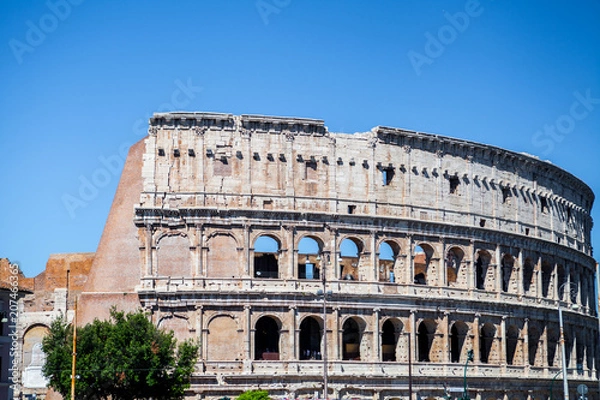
column 258, row 234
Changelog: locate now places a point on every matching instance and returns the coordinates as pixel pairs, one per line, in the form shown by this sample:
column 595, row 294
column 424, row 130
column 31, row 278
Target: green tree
column 254, row 395
column 126, row 357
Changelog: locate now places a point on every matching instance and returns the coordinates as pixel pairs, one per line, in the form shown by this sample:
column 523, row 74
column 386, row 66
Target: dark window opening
column 544, row 205
column 512, row 338
column 527, row 231
column 527, row 275
column 569, row 214
column 266, row 339
column 351, row 209
column 388, row 342
column 486, row 341
column 176, row 153
column 310, row 339
column 265, row 265
column 458, row 334
column 425, row 340
column 454, row 182
column 351, row 340
column 482, row 223
column 388, row 175
column 161, row 152
column 506, row 195
column 191, row 153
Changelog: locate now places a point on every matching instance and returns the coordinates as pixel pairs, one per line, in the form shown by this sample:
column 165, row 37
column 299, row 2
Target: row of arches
column 485, row 269
column 509, row 342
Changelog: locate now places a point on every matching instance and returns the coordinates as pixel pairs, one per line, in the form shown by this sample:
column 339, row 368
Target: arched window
column 512, row 340
column 482, row 267
column 422, row 265
column 309, row 260
column 350, row 250
column 458, row 335
column 266, row 255
column 426, row 333
column 507, row 271
column 389, row 338
column 547, row 270
column 552, row 338
column 351, row 337
column 534, row 348
column 388, row 251
column 453, row 260
column 310, row 339
column 528, row 268
column 266, row 339
column 486, row 341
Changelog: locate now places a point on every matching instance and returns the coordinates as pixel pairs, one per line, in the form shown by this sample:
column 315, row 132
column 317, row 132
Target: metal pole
column 552, row 384
column 410, row 392
column 325, row 391
column 564, row 359
column 74, row 352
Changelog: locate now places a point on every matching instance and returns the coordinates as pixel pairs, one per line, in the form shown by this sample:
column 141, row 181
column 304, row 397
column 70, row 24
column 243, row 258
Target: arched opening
column 310, row 339
column 389, row 338
column 351, row 337
column 350, row 250
column 266, row 254
column 453, row 260
column 528, row 268
column 388, row 251
column 422, row 268
column 546, row 277
column 266, row 339
column 309, row 262
column 486, row 341
column 458, row 335
column 425, row 336
column 561, row 279
column 173, row 256
column 512, row 340
column 481, row 269
column 507, row 271
column 34, row 358
column 533, row 338
column 552, row 338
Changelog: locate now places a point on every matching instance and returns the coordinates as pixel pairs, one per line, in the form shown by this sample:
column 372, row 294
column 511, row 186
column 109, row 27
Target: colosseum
column 389, row 264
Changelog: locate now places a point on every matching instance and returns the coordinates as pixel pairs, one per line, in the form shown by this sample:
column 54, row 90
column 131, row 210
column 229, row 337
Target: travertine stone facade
column 257, row 234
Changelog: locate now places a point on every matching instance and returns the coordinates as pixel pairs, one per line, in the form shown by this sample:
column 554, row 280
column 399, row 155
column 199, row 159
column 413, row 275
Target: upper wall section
column 200, row 160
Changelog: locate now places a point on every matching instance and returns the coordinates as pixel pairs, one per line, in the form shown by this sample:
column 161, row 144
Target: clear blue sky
column 78, row 82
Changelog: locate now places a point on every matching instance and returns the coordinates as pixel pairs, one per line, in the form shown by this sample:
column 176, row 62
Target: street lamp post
column 562, row 342
column 465, row 395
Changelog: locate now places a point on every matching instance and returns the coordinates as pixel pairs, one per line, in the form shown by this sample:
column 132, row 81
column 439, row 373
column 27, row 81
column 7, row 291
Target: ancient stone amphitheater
column 371, row 264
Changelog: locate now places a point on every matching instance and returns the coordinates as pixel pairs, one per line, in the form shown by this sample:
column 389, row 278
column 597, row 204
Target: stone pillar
column 337, row 338
column 526, row 341
column 410, row 265
column 200, row 330
column 248, row 338
column 476, row 347
column 148, row 251
column 539, row 274
column 374, row 271
column 333, row 273
column 294, row 332
column 248, row 263
column 471, row 270
column 413, row 336
column 520, row 279
column 498, row 273
column 503, row 342
column 290, row 232
column 376, row 355
column 199, row 245
column 442, row 273
column 446, row 337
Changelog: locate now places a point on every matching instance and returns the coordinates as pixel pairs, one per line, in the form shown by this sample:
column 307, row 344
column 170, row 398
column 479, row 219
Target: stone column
column 503, row 342
column 376, row 355
column 471, row 270
column 498, row 273
column 148, row 250
column 520, row 279
column 199, row 245
column 446, row 337
column 413, row 336
column 294, row 331
column 526, row 341
column 248, row 338
column 248, row 263
column 337, row 338
column 442, row 273
column 476, row 348
column 200, row 330
column 374, row 257
column 410, row 265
